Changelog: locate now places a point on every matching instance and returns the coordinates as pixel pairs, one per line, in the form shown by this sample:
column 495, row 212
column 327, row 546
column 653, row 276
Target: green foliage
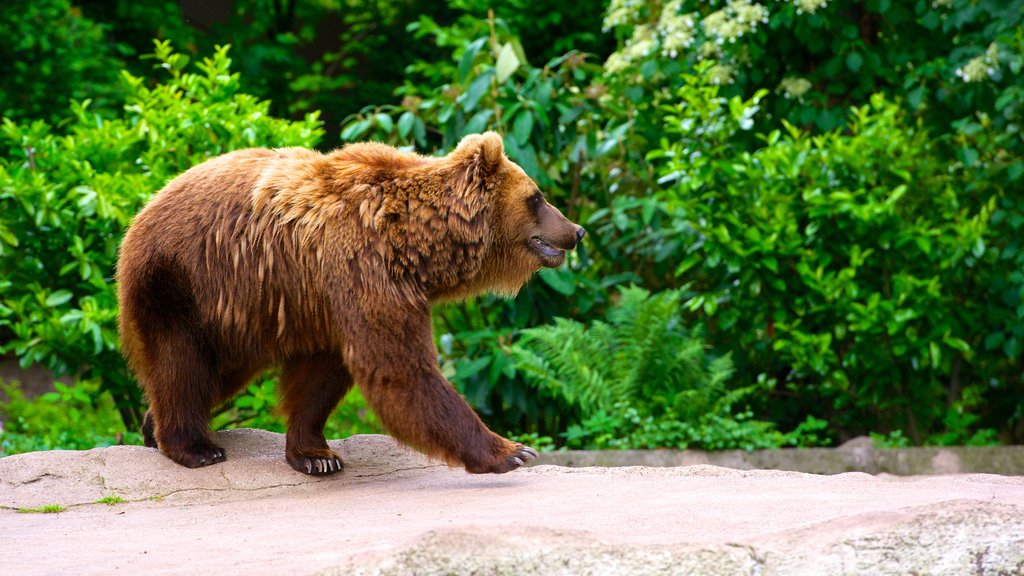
column 545, row 29
column 819, row 57
column 641, row 357
column 51, row 53
column 257, row 408
column 66, row 199
column 75, row 417
column 111, row 500
column 841, row 265
column 640, row 380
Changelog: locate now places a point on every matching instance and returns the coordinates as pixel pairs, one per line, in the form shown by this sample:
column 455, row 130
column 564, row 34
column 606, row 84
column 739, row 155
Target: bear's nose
column 580, row 233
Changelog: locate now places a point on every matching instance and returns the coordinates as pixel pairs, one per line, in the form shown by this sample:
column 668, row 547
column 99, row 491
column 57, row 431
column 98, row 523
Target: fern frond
column 641, row 357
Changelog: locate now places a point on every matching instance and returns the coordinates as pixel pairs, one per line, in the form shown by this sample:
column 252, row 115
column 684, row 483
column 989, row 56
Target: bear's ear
column 480, row 154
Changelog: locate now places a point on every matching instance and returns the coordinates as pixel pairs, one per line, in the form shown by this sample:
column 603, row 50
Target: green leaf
column 993, row 340
column 647, row 211
column 967, row 155
column 478, row 123
column 879, row 6
column 507, row 63
column 916, row 97
column 957, row 344
column 8, row 237
column 522, row 126
column 471, row 97
column 1012, row 347
column 419, row 130
column 385, row 122
column 354, row 130
column 931, row 20
column 854, row 61
column 466, row 62
column 59, row 297
column 561, row 280
column 405, row 123
column 464, row 370
column 935, row 353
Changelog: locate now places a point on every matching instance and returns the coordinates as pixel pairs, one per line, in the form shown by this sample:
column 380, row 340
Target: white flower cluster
column 620, row 13
column 674, row 32
column 942, row 3
column 721, row 74
column 677, row 30
column 636, row 48
column 794, row 87
column 736, row 19
column 809, row 6
column 982, row 67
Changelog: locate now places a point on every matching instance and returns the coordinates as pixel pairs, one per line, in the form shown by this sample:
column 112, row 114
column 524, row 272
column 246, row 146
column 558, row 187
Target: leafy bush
column 52, row 53
column 917, row 318
column 65, row 201
column 640, row 380
column 843, row 266
column 76, row 417
column 819, row 57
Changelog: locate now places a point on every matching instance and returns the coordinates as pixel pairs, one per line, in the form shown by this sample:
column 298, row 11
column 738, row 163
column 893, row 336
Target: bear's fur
column 326, row 265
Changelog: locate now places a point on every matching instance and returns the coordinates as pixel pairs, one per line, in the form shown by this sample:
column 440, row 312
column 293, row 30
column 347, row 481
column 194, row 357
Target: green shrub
column 948, row 59
column 52, row 53
column 65, row 201
column 76, row 417
column 640, row 380
column 842, row 266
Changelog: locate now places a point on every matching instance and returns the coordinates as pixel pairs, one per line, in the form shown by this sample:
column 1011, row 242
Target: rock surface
column 394, row 512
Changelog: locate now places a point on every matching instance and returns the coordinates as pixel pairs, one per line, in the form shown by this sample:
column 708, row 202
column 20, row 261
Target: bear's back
column 238, row 275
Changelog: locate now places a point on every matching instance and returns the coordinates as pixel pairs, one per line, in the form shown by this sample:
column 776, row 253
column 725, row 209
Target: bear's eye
column 534, row 202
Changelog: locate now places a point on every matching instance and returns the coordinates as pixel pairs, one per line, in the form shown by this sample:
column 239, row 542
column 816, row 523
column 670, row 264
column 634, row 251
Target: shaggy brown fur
column 326, row 265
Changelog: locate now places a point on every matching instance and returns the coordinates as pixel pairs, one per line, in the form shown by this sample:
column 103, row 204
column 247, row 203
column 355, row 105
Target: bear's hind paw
column 197, row 456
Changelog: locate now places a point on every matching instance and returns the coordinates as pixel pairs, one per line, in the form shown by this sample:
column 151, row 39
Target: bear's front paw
column 513, row 458
column 316, row 462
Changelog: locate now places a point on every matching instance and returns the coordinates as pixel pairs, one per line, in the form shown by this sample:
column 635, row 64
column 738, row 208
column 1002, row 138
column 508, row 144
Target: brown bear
column 326, row 265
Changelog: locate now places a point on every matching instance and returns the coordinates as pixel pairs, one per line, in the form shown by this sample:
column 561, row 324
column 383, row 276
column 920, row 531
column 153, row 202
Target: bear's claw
column 319, row 466
column 199, row 456
column 521, row 456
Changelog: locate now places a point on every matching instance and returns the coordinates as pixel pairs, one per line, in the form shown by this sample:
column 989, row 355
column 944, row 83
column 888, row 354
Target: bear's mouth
column 549, row 255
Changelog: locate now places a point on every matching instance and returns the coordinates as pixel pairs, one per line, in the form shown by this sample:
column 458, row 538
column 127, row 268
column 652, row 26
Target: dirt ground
column 393, row 512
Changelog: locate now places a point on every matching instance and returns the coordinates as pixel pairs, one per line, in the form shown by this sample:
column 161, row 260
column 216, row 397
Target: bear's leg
column 311, row 388
column 395, row 365
column 180, row 385
column 148, row 439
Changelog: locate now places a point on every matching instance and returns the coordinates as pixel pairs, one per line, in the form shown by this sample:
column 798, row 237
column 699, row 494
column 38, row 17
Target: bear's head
column 524, row 231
